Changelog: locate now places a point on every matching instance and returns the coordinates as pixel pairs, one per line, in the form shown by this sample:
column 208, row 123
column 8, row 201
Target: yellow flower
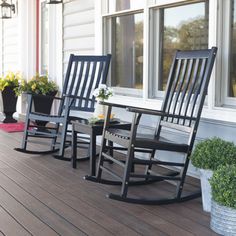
column 33, row 86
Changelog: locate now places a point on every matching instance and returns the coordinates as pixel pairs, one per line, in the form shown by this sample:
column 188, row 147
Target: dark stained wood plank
column 138, row 224
column 55, row 221
column 122, row 216
column 80, row 205
column 79, row 220
column 191, row 224
column 2, row 234
column 46, row 180
column 143, row 215
column 9, row 226
column 25, row 218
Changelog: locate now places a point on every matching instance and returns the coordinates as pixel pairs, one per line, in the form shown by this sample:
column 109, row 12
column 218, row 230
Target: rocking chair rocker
column 181, row 110
column 84, row 74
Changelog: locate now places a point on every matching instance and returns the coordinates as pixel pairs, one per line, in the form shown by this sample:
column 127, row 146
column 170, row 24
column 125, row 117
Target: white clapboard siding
column 10, row 48
column 78, row 29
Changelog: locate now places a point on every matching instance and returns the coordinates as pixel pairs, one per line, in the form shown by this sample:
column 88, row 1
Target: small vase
column 9, row 100
column 100, row 110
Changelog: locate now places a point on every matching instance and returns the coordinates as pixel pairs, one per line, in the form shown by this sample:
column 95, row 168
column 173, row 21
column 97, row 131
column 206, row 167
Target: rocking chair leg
column 101, row 160
column 54, row 140
column 183, row 173
column 128, row 168
column 149, row 166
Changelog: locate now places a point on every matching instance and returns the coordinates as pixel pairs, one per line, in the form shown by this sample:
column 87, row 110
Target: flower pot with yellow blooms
column 9, row 87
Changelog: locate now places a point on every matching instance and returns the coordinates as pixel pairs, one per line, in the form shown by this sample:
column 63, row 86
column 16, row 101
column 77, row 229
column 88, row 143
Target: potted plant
column 207, row 156
column 9, row 87
column 40, row 85
column 101, row 93
column 223, row 211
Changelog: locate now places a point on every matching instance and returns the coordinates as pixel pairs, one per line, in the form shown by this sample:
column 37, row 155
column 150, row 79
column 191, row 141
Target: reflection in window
column 127, row 51
column 185, row 28
column 232, row 79
column 44, row 38
column 119, row 5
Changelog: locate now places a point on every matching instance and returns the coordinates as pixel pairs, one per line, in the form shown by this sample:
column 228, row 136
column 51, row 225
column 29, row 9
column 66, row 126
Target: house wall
column 78, row 29
column 9, row 46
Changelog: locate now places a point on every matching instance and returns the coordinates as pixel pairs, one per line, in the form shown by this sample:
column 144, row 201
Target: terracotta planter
column 9, row 100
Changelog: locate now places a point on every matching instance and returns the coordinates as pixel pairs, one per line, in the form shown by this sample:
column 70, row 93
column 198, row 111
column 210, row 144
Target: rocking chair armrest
column 158, row 113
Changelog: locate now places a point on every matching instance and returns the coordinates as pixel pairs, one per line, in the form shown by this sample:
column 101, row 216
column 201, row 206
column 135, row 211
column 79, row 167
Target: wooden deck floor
column 40, row 195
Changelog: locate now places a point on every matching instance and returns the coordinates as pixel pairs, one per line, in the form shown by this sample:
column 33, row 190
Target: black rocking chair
column 84, row 74
column 181, row 110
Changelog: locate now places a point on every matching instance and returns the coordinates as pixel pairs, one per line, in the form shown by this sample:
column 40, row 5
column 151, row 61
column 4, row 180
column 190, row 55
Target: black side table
column 93, row 130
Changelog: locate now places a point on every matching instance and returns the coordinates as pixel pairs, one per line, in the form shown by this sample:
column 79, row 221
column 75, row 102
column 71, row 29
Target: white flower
column 102, row 92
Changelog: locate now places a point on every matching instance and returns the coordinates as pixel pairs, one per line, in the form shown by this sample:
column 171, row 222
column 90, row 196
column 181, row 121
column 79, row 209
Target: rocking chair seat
column 147, row 141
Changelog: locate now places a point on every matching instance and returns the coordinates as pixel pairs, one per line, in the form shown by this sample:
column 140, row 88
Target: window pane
column 127, row 51
column 185, row 28
column 232, row 79
column 44, row 38
column 119, row 5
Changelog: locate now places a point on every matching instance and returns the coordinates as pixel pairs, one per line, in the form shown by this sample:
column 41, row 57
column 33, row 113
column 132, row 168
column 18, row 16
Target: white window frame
column 54, row 41
column 107, row 46
column 226, row 37
column 40, row 35
column 154, row 92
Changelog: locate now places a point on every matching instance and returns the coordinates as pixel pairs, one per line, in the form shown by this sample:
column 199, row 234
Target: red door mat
column 12, row 127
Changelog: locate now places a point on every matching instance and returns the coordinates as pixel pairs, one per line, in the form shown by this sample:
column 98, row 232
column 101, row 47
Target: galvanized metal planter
column 223, row 219
column 205, row 175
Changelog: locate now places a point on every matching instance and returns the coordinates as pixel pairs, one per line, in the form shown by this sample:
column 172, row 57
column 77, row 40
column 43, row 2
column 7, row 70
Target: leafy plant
column 39, row 84
column 103, row 92
column 11, row 80
column 223, row 184
column 211, row 153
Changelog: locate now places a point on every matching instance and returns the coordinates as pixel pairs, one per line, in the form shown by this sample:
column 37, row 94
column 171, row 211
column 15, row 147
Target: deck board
column 40, row 195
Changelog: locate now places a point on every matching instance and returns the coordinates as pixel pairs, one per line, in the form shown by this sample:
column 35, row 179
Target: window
column 232, row 53
column 227, row 81
column 182, row 27
column 124, row 40
column 119, row 5
column 172, row 27
column 127, row 51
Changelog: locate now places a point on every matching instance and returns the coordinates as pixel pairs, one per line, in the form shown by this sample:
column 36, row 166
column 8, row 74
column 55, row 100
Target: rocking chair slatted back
column 186, row 89
column 84, row 74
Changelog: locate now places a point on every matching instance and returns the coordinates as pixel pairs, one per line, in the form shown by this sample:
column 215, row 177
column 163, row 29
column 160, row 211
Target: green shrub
column 223, row 184
column 211, row 153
